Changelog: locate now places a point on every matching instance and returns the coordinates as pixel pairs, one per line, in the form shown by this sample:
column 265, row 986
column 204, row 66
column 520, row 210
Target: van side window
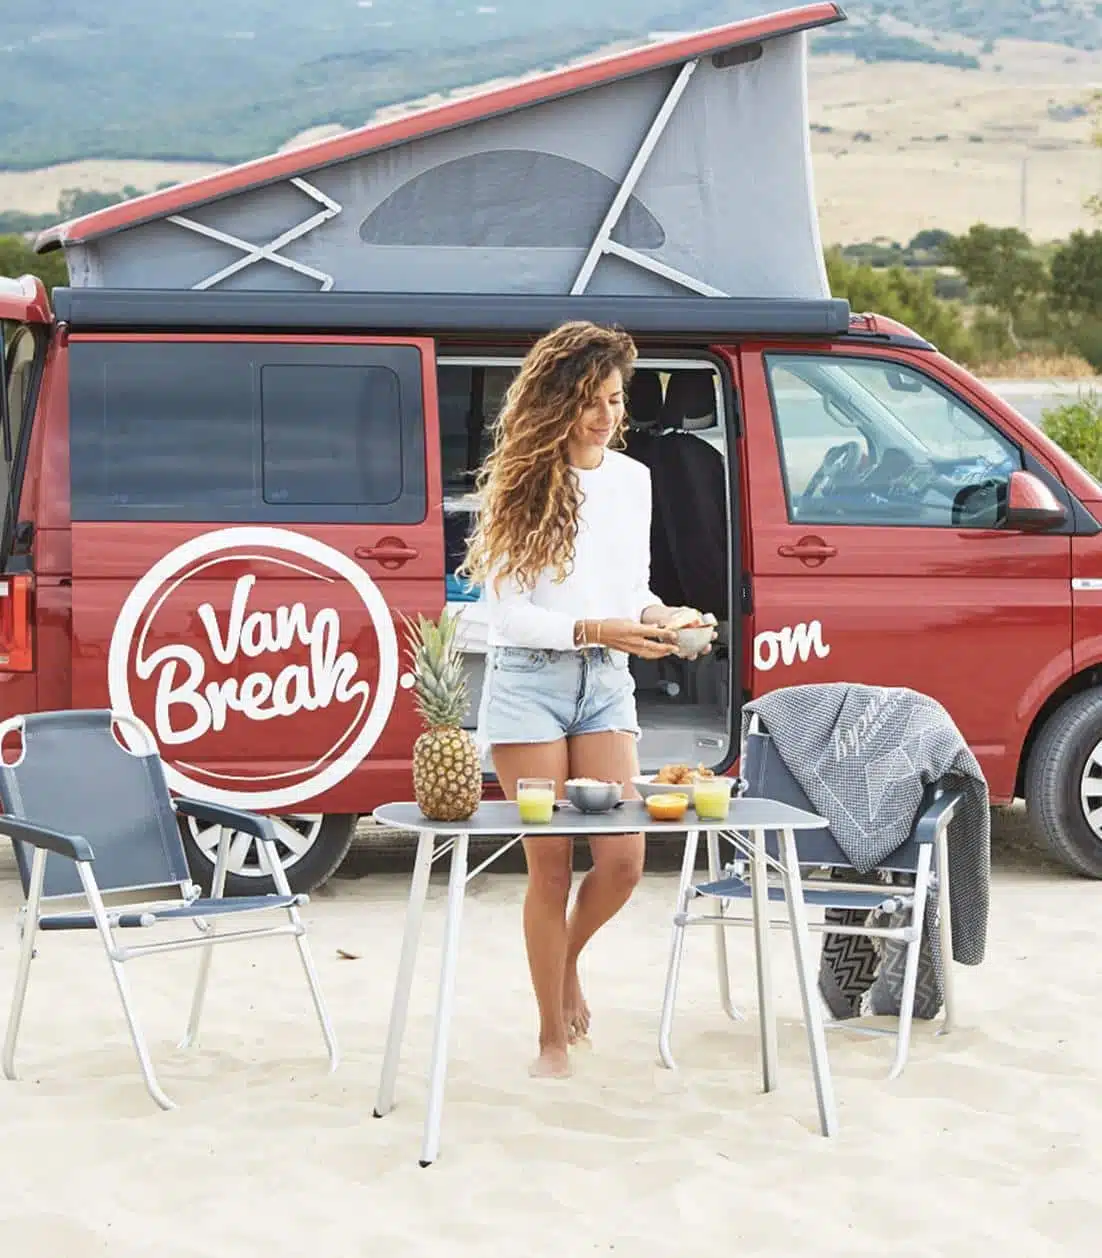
column 238, row 430
column 867, row 441
column 351, row 451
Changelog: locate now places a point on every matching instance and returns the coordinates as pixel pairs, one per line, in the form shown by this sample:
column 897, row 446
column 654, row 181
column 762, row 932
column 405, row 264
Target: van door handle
column 391, row 552
column 808, row 549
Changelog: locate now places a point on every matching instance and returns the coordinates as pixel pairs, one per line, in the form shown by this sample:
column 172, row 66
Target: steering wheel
column 838, row 463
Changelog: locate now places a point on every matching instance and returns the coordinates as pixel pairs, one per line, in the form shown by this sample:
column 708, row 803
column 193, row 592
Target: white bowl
column 647, row 786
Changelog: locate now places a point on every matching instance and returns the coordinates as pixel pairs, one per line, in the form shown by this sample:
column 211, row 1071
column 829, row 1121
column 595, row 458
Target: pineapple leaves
column 439, row 678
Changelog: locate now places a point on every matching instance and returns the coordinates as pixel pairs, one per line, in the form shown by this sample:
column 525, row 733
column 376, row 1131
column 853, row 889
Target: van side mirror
column 1031, row 507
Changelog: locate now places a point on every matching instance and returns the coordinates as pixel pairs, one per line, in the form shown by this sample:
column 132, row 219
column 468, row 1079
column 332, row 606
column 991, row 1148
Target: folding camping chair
column 923, row 858
column 93, row 821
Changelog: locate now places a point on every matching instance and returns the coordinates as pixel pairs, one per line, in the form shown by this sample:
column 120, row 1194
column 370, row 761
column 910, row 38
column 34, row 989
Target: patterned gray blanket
column 864, row 756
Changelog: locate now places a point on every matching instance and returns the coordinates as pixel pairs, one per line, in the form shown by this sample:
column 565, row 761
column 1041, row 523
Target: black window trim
column 827, row 356
column 39, row 334
column 411, row 508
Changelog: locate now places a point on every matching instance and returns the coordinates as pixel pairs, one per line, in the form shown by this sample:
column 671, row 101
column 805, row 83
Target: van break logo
column 201, row 651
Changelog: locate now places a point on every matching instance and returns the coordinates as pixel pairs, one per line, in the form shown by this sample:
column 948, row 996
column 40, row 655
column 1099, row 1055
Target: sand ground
column 909, row 147
column 991, row 1142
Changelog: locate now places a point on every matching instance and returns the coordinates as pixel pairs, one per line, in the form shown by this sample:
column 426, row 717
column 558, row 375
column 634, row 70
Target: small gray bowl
column 594, row 797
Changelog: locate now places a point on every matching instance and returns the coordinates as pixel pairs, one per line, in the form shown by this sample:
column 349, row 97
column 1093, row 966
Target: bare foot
column 575, row 1011
column 552, row 1063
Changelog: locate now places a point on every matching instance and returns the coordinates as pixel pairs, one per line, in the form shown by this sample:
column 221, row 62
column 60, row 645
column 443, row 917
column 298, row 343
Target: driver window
column 867, row 441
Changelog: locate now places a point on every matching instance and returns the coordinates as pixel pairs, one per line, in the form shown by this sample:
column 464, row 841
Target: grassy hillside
column 226, row 80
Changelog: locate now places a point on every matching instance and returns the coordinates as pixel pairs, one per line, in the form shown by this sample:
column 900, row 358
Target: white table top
column 499, row 817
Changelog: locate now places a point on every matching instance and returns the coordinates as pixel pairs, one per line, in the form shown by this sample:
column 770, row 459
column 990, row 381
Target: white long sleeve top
column 610, row 577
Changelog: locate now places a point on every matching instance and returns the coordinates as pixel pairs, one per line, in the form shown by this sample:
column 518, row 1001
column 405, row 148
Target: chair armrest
column 935, row 817
column 219, row 815
column 69, row 845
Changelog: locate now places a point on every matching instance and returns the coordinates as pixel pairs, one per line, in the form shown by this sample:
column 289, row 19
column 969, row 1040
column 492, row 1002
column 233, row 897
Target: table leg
column 399, row 1008
column 813, row 1015
column 767, row 1018
column 677, row 947
column 457, row 887
column 723, row 969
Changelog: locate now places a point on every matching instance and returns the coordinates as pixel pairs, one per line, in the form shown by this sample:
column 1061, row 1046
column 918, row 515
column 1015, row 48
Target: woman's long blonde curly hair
column 528, row 517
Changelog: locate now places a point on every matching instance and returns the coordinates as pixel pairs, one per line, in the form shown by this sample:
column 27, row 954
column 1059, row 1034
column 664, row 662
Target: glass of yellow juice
column 712, row 798
column 535, row 800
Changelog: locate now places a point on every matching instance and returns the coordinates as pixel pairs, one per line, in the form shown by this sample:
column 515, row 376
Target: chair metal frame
column 762, row 875
column 107, row 919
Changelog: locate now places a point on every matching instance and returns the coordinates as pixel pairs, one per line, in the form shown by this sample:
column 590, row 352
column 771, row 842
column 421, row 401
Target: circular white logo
column 274, row 649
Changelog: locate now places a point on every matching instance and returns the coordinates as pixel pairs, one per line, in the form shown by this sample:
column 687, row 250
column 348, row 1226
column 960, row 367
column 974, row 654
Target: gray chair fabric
column 75, row 777
column 91, row 818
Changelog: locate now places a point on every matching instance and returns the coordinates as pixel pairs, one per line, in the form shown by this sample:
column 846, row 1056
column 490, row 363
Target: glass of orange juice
column 535, row 800
column 712, row 798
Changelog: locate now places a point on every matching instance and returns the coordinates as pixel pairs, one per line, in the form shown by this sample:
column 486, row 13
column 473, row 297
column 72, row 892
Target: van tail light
column 16, row 631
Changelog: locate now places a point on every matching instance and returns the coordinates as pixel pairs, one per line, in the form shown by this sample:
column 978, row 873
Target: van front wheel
column 311, row 847
column 1063, row 784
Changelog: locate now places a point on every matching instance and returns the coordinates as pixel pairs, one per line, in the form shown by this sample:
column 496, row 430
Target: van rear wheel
column 311, row 846
column 1063, row 783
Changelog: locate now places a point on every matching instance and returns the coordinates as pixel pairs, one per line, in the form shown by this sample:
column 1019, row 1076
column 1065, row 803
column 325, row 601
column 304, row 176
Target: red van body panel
column 979, row 619
column 301, row 620
column 984, row 620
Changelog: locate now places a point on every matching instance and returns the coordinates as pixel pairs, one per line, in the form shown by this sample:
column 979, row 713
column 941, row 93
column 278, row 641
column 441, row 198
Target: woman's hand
column 678, row 618
column 649, row 642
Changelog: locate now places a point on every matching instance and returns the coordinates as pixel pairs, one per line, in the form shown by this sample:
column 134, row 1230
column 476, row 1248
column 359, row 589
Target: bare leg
column 550, row 863
column 617, row 864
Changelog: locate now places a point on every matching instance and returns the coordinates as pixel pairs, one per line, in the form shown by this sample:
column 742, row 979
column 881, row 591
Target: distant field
column 944, row 147
column 904, row 178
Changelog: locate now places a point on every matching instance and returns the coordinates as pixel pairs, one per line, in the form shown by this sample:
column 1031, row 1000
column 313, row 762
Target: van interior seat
column 644, row 399
column 690, row 402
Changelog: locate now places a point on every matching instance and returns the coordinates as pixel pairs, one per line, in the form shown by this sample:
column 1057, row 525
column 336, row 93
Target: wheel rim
column 295, row 836
column 1090, row 791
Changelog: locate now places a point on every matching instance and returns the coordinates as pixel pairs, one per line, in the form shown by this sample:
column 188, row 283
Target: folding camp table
column 751, row 819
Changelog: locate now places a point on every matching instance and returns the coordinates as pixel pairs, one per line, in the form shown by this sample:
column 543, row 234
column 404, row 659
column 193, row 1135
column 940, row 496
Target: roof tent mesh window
column 508, row 199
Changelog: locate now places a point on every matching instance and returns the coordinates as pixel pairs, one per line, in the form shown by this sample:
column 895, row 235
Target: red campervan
column 245, row 439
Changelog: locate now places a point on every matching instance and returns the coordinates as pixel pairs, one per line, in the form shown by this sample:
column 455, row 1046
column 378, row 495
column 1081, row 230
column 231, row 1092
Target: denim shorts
column 531, row 696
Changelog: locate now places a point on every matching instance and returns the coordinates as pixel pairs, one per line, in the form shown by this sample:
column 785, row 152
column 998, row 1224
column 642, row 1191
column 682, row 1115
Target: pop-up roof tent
column 682, row 167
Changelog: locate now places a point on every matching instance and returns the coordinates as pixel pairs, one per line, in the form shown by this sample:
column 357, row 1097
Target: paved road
column 1033, row 397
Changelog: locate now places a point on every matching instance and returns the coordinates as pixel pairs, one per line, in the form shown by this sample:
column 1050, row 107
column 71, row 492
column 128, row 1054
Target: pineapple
column 447, row 772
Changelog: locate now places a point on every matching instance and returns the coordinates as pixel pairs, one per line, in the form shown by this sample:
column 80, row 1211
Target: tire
column 1063, row 783
column 312, row 847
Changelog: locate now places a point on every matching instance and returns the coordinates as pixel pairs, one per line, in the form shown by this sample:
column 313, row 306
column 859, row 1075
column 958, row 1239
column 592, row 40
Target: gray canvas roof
column 677, row 169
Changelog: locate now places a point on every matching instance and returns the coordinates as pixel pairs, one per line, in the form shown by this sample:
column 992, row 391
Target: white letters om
column 186, row 708
column 785, row 646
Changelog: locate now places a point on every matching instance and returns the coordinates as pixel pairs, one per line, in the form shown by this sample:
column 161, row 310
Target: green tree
column 1077, row 428
column 17, row 258
column 1076, row 267
column 907, row 296
column 76, row 202
column 1001, row 268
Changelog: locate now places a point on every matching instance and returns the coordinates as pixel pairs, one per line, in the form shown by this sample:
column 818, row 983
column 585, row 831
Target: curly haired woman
column 562, row 547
